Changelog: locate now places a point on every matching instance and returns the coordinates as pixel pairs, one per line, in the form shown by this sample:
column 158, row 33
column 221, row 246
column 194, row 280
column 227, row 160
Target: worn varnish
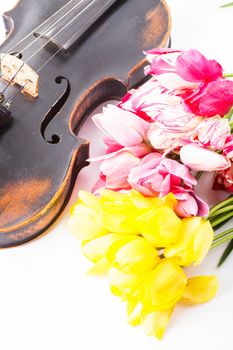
column 40, row 152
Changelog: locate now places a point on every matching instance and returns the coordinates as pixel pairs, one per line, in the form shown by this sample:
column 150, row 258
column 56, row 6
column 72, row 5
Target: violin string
column 10, row 101
column 37, row 28
column 78, row 15
column 44, row 64
column 52, row 25
column 68, row 24
column 12, row 79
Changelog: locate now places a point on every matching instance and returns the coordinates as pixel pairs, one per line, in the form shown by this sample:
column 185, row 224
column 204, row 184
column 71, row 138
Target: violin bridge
column 15, row 71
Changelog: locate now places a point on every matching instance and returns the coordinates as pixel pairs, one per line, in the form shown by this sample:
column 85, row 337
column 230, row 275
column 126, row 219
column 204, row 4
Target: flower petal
column 192, row 66
column 200, row 289
column 160, row 226
column 201, row 159
column 163, row 287
column 123, row 126
column 137, row 256
column 156, row 322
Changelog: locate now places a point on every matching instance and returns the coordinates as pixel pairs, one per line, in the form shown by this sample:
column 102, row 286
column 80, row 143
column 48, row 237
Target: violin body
column 40, row 151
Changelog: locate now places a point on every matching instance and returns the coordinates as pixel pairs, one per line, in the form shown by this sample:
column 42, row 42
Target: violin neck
column 68, row 25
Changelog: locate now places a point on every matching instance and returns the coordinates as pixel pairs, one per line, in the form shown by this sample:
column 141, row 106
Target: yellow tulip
column 134, row 311
column 96, row 251
column 131, row 259
column 163, row 287
column 119, row 213
column 161, row 226
column 120, row 233
column 171, row 201
column 122, row 211
column 97, row 248
column 86, row 221
column 101, row 267
column 200, row 289
column 194, row 242
column 137, row 256
column 102, row 250
column 155, row 323
column 124, row 284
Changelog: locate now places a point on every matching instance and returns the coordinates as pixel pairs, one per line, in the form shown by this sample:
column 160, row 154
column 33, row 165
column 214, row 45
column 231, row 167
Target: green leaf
column 226, row 253
column 227, row 5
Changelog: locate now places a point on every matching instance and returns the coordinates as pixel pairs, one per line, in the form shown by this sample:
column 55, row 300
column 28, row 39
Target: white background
column 47, row 302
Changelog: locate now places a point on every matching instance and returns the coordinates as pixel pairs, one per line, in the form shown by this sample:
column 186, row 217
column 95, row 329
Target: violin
column 60, row 60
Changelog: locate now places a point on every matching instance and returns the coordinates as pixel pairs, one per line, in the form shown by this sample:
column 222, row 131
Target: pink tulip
column 116, row 166
column 201, row 159
column 228, row 147
column 189, row 65
column 122, row 126
column 215, row 97
column 211, row 132
column 115, row 170
column 172, row 128
column 158, row 103
column 112, row 145
column 161, row 62
column 150, row 98
column 138, row 151
column 189, row 204
column 196, row 79
column 176, row 84
column 162, row 139
column 192, row 66
column 155, row 176
column 161, row 51
column 224, row 180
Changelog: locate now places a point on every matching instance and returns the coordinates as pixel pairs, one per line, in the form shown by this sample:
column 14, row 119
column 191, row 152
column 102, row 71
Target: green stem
column 229, row 115
column 222, row 234
column 226, row 253
column 227, row 201
column 221, row 219
column 227, row 5
column 220, row 211
column 228, row 75
column 221, row 240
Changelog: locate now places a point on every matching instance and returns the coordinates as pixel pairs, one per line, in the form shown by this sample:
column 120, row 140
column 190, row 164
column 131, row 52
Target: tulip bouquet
column 144, row 222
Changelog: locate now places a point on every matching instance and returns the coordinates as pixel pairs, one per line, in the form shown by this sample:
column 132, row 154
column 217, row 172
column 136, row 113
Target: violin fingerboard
column 68, row 26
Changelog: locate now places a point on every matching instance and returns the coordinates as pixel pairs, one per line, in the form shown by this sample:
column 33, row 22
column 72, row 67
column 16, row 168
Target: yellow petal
column 137, row 256
column 101, row 267
column 202, row 242
column 134, row 311
column 161, row 226
column 194, row 242
column 200, row 289
column 155, row 323
column 140, row 201
column 182, row 250
column 170, row 201
column 97, row 248
column 90, row 200
column 119, row 215
column 86, row 221
column 125, row 284
column 164, row 286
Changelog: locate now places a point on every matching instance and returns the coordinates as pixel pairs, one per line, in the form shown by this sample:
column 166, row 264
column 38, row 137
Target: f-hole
column 54, row 110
